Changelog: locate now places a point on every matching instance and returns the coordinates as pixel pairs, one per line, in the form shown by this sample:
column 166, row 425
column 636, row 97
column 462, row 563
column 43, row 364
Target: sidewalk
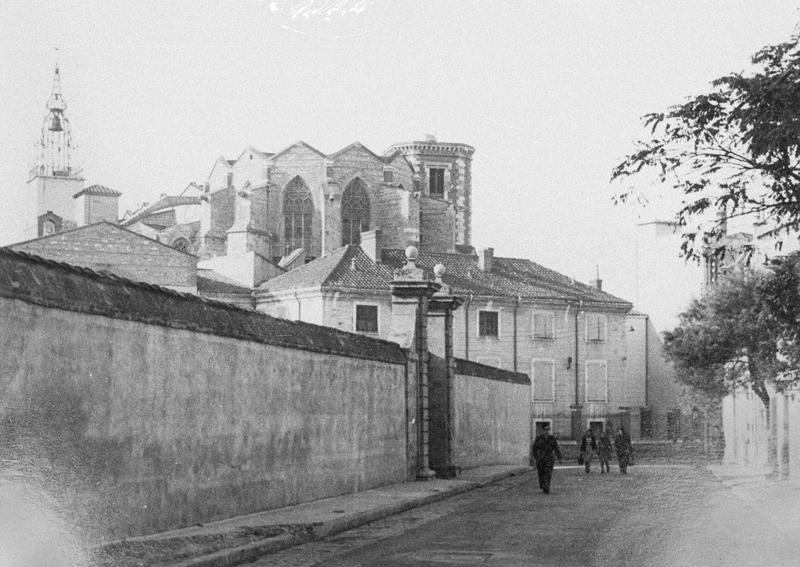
column 244, row 538
column 777, row 501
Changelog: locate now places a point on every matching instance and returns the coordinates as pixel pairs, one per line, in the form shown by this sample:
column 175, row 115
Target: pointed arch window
column 355, row 212
column 298, row 212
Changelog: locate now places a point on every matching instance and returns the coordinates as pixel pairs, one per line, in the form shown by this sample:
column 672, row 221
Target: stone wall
column 154, row 410
column 436, row 225
column 491, row 416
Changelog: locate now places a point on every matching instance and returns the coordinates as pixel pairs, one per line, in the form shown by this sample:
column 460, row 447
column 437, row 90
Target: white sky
column 550, row 94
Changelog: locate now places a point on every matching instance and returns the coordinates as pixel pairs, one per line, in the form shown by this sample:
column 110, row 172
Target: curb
column 252, row 551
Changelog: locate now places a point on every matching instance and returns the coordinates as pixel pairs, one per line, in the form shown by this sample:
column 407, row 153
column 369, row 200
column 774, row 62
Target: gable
column 107, row 247
column 400, row 161
column 252, row 154
column 357, row 151
column 220, row 168
column 299, row 149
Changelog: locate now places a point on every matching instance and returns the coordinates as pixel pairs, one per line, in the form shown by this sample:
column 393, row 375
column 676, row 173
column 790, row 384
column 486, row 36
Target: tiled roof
column 58, row 285
column 210, row 281
column 350, row 267
column 97, row 190
column 346, row 267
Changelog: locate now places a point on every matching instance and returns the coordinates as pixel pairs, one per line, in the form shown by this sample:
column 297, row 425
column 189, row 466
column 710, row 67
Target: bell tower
column 54, row 178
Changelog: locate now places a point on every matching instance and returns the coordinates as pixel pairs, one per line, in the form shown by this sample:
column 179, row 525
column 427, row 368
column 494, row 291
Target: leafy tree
column 726, row 339
column 780, row 297
column 735, row 148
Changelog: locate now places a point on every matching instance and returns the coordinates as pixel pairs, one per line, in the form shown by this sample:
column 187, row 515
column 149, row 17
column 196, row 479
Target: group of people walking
column 604, row 448
column 545, row 451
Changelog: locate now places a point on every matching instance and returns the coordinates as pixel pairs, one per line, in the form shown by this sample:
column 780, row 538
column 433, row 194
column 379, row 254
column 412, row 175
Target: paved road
column 657, row 515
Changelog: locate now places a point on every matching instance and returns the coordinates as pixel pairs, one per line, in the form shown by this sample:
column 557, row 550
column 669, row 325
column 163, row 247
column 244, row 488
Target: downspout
column 466, row 327
column 516, row 308
column 299, row 307
column 646, row 363
column 577, row 373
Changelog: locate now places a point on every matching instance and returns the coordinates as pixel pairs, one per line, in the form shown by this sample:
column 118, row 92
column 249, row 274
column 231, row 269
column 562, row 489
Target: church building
column 314, row 236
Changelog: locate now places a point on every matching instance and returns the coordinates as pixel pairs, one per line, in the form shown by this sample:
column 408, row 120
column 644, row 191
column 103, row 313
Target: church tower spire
column 55, row 146
column 54, row 178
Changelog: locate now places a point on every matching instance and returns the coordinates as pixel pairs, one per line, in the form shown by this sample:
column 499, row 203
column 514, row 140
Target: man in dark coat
column 622, row 443
column 545, row 451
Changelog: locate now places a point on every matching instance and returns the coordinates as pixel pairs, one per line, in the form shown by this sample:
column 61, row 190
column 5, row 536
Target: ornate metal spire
column 55, row 146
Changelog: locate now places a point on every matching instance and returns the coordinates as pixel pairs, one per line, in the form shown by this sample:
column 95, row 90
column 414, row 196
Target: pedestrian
column 545, row 451
column 588, row 449
column 622, row 444
column 605, row 450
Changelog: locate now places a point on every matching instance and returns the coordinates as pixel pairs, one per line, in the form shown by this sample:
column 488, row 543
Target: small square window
column 543, row 324
column 366, row 318
column 388, row 176
column 488, row 324
column 436, row 181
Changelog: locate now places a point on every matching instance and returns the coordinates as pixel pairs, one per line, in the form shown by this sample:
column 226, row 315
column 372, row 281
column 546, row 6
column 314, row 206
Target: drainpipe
column 299, row 307
column 516, row 308
column 647, row 366
column 577, row 373
column 466, row 327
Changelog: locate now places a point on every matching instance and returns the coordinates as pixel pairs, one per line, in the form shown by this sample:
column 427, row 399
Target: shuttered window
column 543, row 375
column 596, row 381
column 595, row 327
column 543, row 325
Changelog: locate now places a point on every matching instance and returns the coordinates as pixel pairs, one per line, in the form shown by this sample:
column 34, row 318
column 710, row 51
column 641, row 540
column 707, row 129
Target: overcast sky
column 549, row 93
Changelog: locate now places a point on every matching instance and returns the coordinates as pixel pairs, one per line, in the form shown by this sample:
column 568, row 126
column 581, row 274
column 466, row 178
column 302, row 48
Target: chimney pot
column 485, row 259
column 371, row 244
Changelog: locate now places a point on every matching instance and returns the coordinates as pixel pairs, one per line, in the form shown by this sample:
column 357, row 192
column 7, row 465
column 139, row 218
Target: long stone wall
column 144, row 409
column 491, row 415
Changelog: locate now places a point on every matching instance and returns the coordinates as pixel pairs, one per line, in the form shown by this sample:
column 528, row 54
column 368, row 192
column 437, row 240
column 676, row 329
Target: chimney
column 485, row 259
column 371, row 244
column 597, row 282
column 96, row 203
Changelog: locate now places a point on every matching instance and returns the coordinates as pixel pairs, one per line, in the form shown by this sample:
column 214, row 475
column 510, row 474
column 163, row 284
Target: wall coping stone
column 59, row 285
column 470, row 368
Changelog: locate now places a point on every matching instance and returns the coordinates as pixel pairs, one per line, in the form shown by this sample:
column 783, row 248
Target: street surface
column 656, row 515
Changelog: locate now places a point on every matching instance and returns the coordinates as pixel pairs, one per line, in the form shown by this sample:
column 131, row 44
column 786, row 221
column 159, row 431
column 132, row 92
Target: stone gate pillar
column 442, row 304
column 411, row 291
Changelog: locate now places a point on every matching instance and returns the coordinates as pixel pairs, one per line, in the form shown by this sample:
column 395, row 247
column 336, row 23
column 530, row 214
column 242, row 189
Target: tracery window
column 298, row 212
column 182, row 244
column 355, row 212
